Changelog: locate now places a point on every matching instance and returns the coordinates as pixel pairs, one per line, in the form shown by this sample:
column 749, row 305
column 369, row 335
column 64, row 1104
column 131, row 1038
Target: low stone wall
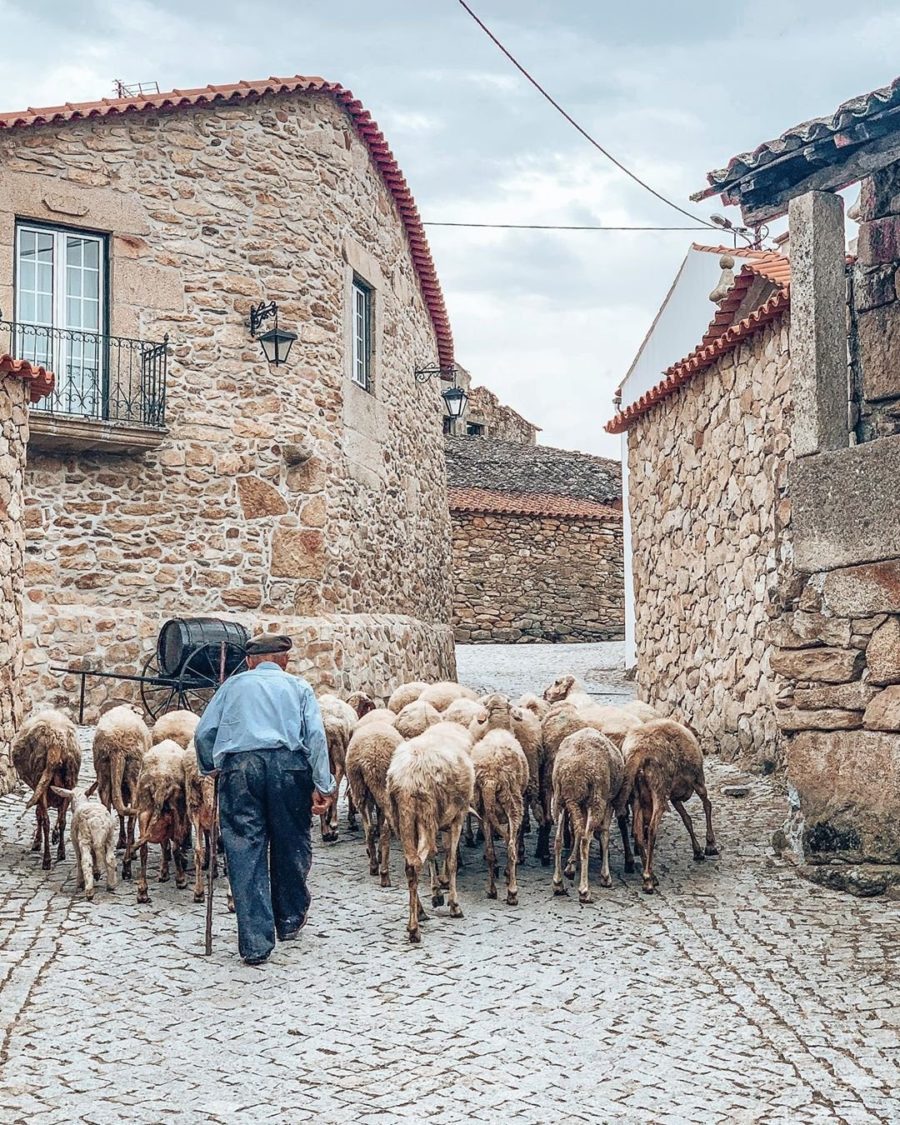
column 343, row 652
column 13, row 439
column 537, row 578
column 710, row 540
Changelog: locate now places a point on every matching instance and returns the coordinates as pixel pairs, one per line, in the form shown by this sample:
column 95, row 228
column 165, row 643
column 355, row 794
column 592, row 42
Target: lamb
column 94, row 837
column 663, row 762
column 430, row 783
column 441, row 695
column 368, row 758
column 406, row 693
column 501, row 781
column 415, row 718
column 500, row 714
column 200, row 800
column 642, row 711
column 587, row 777
column 567, row 688
column 361, row 703
column 161, row 811
column 464, row 711
column 45, row 753
column 379, row 715
column 339, row 720
column 177, row 725
column 533, row 703
column 120, row 742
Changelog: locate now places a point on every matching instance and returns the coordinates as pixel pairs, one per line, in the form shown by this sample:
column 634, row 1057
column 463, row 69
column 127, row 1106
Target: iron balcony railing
column 107, row 378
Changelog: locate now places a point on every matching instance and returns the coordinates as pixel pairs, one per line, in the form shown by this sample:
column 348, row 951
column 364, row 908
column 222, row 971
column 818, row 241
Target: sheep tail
column 40, row 790
column 629, row 783
column 489, row 799
column 117, row 773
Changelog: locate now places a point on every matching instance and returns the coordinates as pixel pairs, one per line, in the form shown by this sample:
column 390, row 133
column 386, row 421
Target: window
column 448, row 425
column 60, row 311
column 361, row 372
column 475, row 429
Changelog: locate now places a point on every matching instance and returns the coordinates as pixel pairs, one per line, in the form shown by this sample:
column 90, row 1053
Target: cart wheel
column 157, row 697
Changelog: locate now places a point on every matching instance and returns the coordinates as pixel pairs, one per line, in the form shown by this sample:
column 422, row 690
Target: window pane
column 92, row 254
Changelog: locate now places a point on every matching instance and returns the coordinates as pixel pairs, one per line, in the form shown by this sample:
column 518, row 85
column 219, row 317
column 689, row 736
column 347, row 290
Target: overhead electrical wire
column 587, row 136
column 547, row 226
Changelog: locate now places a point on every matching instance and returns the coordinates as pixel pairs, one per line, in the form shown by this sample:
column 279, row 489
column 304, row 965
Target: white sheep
column 501, row 779
column 528, row 701
column 642, row 711
column 45, row 753
column 464, row 711
column 161, row 810
column 587, row 776
column 339, row 720
column 415, row 718
column 567, row 688
column 379, row 715
column 430, row 782
column 368, row 758
column 406, row 693
column 442, row 694
column 121, row 740
column 177, row 725
column 94, row 838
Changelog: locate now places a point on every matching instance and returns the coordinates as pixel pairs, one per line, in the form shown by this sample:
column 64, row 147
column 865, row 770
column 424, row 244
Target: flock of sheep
column 419, row 769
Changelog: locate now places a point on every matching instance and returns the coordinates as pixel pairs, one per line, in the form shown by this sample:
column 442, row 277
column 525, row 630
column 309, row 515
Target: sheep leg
column 559, row 887
column 45, row 833
column 38, row 831
column 79, row 871
column 123, row 837
column 351, row 812
column 201, row 842
column 605, row 877
column 86, row 858
column 384, row 865
column 143, row 894
column 689, row 825
column 571, row 839
column 581, row 830
column 649, row 880
column 369, row 829
column 445, row 876
column 110, row 862
column 512, row 862
column 129, row 848
column 490, row 858
column 520, row 841
column 60, row 830
column 333, row 811
column 164, row 864
column 412, row 881
column 626, row 843
column 180, row 865
column 452, row 859
column 712, row 848
column 470, row 835
column 437, row 898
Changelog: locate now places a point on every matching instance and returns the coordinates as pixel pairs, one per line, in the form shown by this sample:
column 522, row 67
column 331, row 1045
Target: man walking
column 262, row 732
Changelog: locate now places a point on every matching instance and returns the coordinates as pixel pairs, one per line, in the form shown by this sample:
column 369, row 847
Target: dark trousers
column 265, row 804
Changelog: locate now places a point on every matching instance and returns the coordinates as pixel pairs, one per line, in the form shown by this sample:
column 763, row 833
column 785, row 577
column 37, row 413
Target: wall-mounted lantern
column 454, row 396
column 276, row 343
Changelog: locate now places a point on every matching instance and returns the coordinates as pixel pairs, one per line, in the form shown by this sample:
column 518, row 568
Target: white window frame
column 66, row 357
column 362, row 316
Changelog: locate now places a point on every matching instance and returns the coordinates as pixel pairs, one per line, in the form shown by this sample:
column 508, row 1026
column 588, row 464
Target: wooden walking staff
column 213, row 832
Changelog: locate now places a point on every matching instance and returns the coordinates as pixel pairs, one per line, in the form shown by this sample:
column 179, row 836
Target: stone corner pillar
column 818, row 334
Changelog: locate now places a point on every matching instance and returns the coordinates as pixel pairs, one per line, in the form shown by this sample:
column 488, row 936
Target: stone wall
column 13, row 438
column 522, row 579
column 710, row 540
column 286, row 497
column 501, row 423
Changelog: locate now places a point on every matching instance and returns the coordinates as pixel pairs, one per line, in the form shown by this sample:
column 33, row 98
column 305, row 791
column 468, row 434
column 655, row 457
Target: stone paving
column 738, row 993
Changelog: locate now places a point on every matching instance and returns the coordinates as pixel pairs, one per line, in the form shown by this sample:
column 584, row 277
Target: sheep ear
column 517, row 713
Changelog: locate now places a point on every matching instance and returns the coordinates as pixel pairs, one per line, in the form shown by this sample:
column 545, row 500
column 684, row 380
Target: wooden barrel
column 182, row 636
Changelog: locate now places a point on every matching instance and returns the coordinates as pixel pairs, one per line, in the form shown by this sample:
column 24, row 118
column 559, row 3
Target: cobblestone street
column 738, row 993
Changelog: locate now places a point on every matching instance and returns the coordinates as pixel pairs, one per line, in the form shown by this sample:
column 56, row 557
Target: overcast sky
column 550, row 321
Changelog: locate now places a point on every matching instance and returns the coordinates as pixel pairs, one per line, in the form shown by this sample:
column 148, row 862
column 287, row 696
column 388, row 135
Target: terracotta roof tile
column 721, row 337
column 174, row 100
column 524, row 504
column 39, row 379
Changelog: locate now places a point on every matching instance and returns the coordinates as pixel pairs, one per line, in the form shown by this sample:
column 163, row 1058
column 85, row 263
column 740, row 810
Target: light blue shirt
column 264, row 709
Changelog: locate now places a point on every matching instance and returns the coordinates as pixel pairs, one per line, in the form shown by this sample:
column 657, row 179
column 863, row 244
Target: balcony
column 110, row 391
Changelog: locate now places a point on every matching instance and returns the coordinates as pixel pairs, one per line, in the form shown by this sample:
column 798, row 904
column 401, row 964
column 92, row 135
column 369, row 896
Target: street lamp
column 276, row 343
column 455, row 397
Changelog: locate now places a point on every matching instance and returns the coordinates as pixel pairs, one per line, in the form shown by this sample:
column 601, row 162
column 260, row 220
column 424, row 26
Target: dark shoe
column 291, row 935
column 257, row 960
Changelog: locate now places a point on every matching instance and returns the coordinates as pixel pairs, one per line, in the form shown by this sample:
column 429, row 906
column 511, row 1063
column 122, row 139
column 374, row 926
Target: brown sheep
column 567, row 688
column 663, row 762
column 177, row 725
column 368, row 757
column 161, row 811
column 415, row 718
column 45, row 753
column 430, row 782
column 361, row 703
column 406, row 693
column 587, row 776
column 441, row 695
column 339, row 720
column 501, row 781
column 121, row 740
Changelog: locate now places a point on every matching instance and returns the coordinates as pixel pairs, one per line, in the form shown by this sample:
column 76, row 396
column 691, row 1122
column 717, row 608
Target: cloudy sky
column 549, row 320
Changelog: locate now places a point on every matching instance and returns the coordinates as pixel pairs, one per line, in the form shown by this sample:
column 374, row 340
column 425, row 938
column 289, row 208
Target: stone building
column 20, row 382
column 537, row 542
column 816, row 387
column 487, row 417
column 307, row 497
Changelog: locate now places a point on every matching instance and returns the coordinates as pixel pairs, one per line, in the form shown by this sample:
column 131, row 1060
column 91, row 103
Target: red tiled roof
column 722, row 335
column 40, row 380
column 527, row 504
column 382, row 157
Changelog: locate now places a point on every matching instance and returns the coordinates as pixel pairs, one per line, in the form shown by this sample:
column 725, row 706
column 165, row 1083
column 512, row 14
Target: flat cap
column 267, row 643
